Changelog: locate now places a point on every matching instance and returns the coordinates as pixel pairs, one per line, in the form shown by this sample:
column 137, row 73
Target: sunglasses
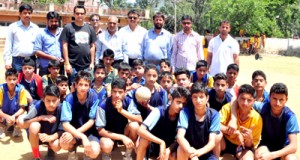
column 132, row 17
column 184, row 23
column 77, row 13
column 95, row 20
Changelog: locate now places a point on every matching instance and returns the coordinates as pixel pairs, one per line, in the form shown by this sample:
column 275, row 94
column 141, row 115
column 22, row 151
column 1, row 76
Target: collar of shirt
column 99, row 31
column 193, row 33
column 160, row 33
column 20, row 23
column 111, row 68
column 228, row 37
column 130, row 30
column 107, row 34
column 58, row 31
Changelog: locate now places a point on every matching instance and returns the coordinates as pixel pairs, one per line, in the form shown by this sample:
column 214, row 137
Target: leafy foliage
column 276, row 18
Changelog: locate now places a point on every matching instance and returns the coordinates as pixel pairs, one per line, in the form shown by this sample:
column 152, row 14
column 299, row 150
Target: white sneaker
column 2, row 133
column 17, row 132
column 72, row 156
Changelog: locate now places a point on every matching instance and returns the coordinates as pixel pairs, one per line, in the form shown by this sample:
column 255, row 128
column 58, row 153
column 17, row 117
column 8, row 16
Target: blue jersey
column 39, row 109
column 266, row 97
column 109, row 118
column 77, row 113
column 141, row 82
column 10, row 104
column 213, row 103
column 160, row 125
column 31, row 87
column 204, row 79
column 101, row 92
column 197, row 133
column 157, row 99
column 276, row 129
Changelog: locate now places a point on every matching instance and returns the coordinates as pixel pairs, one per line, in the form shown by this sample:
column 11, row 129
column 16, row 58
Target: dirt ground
column 277, row 68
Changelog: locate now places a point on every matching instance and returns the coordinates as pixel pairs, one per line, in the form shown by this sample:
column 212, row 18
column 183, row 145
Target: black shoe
column 50, row 155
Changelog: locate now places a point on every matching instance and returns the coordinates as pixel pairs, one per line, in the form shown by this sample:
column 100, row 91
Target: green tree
column 276, row 18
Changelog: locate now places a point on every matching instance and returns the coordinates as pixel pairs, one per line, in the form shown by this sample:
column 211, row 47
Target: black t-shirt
column 79, row 39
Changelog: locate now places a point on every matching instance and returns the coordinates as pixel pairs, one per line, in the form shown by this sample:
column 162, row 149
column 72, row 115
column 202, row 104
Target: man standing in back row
column 133, row 35
column 47, row 46
column 78, row 41
column 20, row 39
column 157, row 43
column 187, row 46
column 222, row 50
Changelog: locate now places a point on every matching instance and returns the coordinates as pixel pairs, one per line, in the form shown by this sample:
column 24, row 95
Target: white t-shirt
column 222, row 53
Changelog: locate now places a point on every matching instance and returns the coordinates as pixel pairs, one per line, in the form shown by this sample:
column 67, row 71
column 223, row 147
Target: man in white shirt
column 111, row 39
column 20, row 39
column 133, row 35
column 222, row 50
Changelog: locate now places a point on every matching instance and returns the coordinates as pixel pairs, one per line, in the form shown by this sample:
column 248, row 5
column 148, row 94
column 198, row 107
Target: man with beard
column 47, row 45
column 78, row 43
column 157, row 43
column 187, row 46
column 111, row 39
column 20, row 39
column 222, row 50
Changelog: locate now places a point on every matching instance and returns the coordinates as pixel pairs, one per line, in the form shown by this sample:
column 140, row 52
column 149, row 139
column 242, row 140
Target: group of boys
column 188, row 116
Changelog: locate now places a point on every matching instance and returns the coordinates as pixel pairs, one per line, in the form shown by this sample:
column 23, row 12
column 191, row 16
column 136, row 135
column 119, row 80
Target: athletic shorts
column 232, row 148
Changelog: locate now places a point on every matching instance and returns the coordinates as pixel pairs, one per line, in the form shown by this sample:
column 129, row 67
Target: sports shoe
column 17, row 132
column 50, row 155
column 72, row 155
column 9, row 129
column 2, row 133
column 86, row 157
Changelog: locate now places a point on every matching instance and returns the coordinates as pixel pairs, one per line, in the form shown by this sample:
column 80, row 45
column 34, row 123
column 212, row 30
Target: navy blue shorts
column 233, row 148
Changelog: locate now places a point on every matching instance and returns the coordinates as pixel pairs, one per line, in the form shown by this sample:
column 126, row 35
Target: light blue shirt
column 48, row 43
column 113, row 42
column 157, row 46
column 19, row 41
